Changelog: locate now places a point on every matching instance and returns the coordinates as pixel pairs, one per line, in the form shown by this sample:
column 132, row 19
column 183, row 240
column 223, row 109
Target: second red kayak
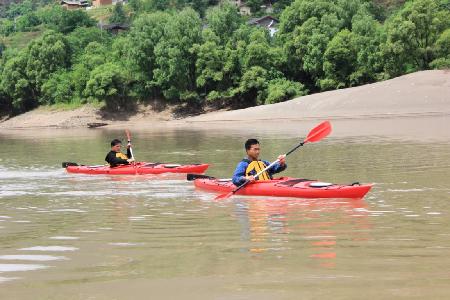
column 287, row 187
column 136, row 169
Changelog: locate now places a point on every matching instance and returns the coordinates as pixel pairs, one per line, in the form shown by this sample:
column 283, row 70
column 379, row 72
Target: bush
column 108, row 83
column 281, row 89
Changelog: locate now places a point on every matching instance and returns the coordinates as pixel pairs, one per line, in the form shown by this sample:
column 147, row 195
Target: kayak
column 136, row 169
column 287, row 187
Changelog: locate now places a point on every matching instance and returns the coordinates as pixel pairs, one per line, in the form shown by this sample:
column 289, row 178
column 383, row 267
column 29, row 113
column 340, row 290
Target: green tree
column 83, row 36
column 45, row 56
column 136, row 5
column 58, row 88
column 107, row 83
column 139, row 48
column 199, row 6
column 340, row 61
column 6, row 27
column 24, row 74
column 255, row 5
column 442, row 51
column 26, row 22
column 306, row 28
column 20, row 9
column 368, row 37
column 209, row 64
column 223, row 20
column 253, row 86
column 64, row 20
column 281, row 89
column 118, row 15
column 175, row 61
column 16, row 85
column 411, row 35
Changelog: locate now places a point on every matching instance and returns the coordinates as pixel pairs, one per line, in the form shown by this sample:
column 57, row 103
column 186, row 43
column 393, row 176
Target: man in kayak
column 115, row 157
column 250, row 166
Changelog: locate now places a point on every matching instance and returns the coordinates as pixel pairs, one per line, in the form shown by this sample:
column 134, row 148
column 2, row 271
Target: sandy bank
column 48, row 117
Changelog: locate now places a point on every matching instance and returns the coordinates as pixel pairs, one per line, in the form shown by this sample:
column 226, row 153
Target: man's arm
column 277, row 168
column 239, row 173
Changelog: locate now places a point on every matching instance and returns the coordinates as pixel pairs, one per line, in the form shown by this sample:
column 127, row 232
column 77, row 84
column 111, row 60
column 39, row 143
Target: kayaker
column 250, row 166
column 115, row 157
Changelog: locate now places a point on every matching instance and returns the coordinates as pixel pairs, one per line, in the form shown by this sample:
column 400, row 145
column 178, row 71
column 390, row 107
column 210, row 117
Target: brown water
column 66, row 236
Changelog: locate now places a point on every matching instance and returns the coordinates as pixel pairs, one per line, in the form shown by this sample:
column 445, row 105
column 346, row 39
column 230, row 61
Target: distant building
column 268, row 22
column 98, row 3
column 74, row 4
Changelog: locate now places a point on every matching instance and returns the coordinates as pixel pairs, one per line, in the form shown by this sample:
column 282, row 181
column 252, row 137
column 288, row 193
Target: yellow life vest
column 255, row 167
column 121, row 155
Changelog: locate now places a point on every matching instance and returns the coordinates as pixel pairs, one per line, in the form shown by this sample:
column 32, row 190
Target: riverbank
column 416, row 104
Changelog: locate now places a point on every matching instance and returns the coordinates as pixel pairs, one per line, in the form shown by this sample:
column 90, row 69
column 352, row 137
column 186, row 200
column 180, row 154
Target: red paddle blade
column 224, row 196
column 128, row 134
column 318, row 132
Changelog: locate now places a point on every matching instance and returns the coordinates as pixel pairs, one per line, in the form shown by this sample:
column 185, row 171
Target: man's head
column 115, row 145
column 252, row 148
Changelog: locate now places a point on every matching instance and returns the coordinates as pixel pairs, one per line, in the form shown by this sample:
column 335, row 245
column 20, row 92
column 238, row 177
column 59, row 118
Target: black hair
column 115, row 142
column 250, row 142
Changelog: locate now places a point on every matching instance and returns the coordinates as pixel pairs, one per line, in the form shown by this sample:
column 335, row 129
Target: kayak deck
column 287, row 187
column 139, row 168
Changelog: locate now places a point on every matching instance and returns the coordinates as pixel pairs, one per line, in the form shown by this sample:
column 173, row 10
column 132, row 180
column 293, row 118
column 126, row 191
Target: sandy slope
column 421, row 93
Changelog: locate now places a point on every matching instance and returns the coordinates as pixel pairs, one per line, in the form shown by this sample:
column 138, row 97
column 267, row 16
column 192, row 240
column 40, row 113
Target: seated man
column 250, row 166
column 115, row 157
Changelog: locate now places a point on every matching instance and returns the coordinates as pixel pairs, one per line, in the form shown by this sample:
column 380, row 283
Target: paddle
column 129, row 141
column 315, row 135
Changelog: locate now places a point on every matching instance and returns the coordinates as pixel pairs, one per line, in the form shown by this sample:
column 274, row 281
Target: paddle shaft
column 129, row 141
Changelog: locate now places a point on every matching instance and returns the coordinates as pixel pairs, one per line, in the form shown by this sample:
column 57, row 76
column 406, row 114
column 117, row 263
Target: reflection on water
column 270, row 224
column 126, row 237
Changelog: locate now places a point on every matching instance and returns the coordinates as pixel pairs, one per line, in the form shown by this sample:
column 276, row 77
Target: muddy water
column 66, row 236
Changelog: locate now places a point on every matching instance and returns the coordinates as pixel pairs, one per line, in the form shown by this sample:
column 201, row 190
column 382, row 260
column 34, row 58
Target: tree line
column 183, row 53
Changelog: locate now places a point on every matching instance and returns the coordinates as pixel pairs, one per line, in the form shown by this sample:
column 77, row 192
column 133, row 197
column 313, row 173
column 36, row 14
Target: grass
column 100, row 13
column 71, row 106
column 20, row 40
column 103, row 13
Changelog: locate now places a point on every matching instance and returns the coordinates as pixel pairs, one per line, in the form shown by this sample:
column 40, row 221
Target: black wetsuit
column 113, row 159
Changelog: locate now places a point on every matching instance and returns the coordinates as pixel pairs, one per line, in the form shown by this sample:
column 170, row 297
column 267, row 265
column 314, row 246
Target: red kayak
column 136, row 169
column 287, row 187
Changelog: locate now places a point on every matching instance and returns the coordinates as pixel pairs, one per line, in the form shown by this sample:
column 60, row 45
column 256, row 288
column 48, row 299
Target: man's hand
column 130, row 160
column 250, row 178
column 282, row 159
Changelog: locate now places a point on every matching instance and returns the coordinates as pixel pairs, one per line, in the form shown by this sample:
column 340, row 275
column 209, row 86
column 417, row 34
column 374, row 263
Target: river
column 72, row 236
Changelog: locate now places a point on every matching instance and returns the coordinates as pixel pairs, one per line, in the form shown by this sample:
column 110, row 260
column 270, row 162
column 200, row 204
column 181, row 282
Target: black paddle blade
column 68, row 163
column 191, row 177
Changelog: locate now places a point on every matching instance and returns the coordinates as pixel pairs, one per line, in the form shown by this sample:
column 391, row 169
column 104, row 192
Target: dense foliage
column 198, row 52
